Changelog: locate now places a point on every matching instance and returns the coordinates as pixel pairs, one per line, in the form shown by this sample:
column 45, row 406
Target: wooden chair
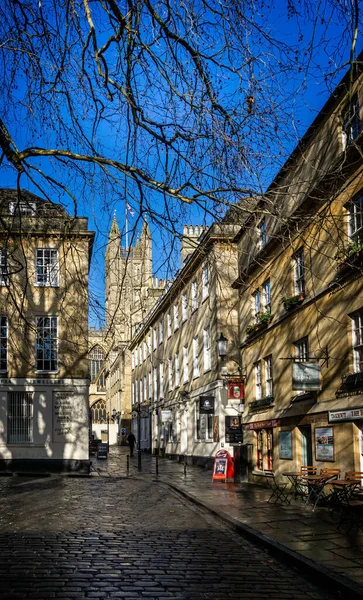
column 308, row 470
column 354, row 475
column 279, row 491
column 331, row 473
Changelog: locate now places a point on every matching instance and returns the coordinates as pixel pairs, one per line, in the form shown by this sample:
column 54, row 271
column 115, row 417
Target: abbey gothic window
column 95, row 362
column 99, row 414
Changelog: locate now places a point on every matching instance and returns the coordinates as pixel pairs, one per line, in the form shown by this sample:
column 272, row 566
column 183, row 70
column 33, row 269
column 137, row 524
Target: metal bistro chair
column 308, row 470
column 301, row 485
column 279, row 491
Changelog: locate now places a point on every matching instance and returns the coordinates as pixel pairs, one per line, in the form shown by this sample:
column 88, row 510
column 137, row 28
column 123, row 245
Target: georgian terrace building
column 301, row 300
column 44, row 263
column 177, row 388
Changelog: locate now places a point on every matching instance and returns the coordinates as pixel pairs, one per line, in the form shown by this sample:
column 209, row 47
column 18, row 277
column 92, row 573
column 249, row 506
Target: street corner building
column 44, row 264
column 301, row 300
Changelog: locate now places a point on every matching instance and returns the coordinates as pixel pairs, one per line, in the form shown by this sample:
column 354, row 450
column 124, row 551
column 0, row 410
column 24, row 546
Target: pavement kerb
column 318, row 573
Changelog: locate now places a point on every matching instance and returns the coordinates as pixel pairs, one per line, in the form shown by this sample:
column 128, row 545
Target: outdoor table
column 294, row 477
column 316, row 484
column 343, row 490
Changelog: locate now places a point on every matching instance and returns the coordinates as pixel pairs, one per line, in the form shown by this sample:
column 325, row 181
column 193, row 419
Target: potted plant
column 263, row 321
column 292, row 301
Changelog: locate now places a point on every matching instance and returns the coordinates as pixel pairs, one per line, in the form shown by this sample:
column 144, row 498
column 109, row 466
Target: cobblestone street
column 126, row 538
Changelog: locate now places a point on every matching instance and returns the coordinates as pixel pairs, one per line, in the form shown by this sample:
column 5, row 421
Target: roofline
column 208, row 238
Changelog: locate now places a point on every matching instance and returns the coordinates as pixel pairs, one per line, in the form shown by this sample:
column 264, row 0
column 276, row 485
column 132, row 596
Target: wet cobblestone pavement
column 112, row 537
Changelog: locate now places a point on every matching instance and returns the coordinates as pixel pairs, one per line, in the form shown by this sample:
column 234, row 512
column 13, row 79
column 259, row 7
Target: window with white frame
column 150, row 386
column 262, row 235
column 205, row 282
column 177, row 369
column 133, row 393
column 195, row 357
column 268, row 375
column 136, row 392
column 302, row 349
column 184, row 306
column 185, row 364
column 47, row 267
column 357, row 321
column 155, row 384
column 258, row 380
column 266, row 296
column 170, row 373
column 206, row 349
column 145, row 389
column 161, row 380
column 20, row 417
column 46, row 343
column 168, row 324
column 204, row 424
column 351, row 125
column 155, row 338
column 140, row 391
column 194, row 295
column 3, row 267
column 176, row 317
column 161, row 332
column 299, row 272
column 3, row 344
column 256, row 306
column 22, row 207
column 355, row 219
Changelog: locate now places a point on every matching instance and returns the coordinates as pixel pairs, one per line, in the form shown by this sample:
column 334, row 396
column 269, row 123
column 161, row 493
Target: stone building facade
column 301, row 300
column 179, row 398
column 44, row 263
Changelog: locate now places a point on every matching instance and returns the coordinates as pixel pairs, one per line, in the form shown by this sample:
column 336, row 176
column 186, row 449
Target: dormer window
column 22, row 207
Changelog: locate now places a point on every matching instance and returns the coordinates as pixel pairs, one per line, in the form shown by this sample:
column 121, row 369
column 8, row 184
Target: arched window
column 95, row 362
column 99, row 414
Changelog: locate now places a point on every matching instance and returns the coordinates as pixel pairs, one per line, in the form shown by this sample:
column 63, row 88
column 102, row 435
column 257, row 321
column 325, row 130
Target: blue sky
column 318, row 43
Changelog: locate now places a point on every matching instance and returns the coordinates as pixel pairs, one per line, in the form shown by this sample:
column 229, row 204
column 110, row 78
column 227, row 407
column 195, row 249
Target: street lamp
column 222, row 346
column 222, row 353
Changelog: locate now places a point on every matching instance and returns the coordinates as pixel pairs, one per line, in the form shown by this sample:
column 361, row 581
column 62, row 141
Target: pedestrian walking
column 131, row 440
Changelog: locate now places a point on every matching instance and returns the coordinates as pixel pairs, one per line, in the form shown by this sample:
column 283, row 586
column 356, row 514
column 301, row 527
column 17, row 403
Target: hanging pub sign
column 233, row 430
column 206, row 404
column 236, row 389
column 306, row 376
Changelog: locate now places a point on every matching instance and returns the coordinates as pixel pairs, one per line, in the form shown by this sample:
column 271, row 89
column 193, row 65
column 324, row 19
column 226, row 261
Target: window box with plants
column 293, row 301
column 263, row 321
column 349, row 259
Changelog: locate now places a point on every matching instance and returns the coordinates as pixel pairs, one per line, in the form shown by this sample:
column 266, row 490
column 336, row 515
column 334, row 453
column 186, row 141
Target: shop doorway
column 306, row 446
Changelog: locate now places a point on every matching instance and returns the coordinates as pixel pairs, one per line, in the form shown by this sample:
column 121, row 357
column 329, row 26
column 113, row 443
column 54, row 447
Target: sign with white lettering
column 306, row 376
column 69, row 416
column 345, row 415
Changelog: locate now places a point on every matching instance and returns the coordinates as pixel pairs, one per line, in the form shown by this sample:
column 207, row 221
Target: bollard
column 185, row 466
column 157, row 464
column 127, row 465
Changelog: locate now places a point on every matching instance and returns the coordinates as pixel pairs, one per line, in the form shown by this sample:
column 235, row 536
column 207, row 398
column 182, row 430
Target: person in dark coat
column 131, row 440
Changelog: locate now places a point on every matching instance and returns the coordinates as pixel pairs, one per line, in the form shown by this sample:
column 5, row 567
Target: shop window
column 269, row 447
column 259, row 464
column 204, row 421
